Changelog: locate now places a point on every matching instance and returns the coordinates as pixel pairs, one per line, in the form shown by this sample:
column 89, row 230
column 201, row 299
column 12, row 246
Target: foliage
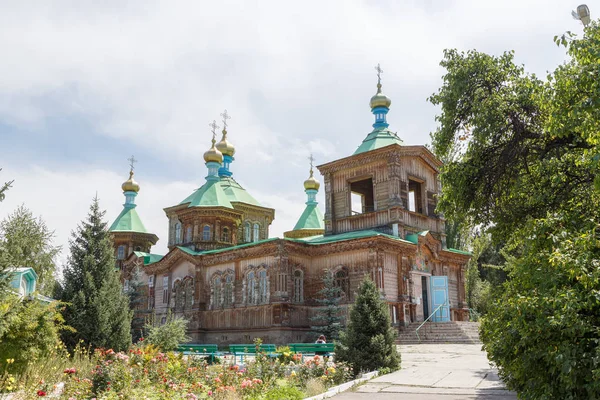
column 31, row 334
column 4, row 188
column 328, row 319
column 528, row 175
column 169, row 335
column 97, row 307
column 137, row 304
column 368, row 343
column 27, row 242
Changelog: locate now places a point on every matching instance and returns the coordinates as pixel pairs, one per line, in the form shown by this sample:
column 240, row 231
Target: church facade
column 234, row 283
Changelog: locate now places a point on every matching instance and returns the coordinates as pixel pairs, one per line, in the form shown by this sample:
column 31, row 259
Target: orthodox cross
column 214, row 127
column 225, row 118
column 132, row 161
column 379, row 72
column 311, row 159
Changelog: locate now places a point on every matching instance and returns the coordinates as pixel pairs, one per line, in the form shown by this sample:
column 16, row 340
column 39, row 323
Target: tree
column 27, row 242
column 368, row 343
column 527, row 176
column 4, row 188
column 168, row 336
column 328, row 320
column 97, row 307
column 137, row 300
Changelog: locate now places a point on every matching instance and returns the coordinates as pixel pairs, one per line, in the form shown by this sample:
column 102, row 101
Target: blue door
column 439, row 297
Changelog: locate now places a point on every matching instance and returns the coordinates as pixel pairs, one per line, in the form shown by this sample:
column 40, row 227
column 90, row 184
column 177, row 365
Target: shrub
column 168, row 336
column 368, row 343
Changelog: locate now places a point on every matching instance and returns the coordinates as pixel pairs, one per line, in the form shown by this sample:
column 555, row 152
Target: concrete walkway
column 436, row 371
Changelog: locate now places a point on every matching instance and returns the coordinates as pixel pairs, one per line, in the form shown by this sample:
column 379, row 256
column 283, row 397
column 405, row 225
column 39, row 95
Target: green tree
column 368, row 342
column 4, row 188
column 97, row 307
column 168, row 335
column 27, row 241
column 137, row 303
column 328, row 319
column 526, row 176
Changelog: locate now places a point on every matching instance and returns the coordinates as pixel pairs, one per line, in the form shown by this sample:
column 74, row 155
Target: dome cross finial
column 132, row 161
column 379, row 72
column 225, row 118
column 214, row 127
column 311, row 159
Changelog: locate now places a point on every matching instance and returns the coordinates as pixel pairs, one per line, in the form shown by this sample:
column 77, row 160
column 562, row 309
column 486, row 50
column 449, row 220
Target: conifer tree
column 368, row 341
column 137, row 299
column 328, row 320
column 97, row 307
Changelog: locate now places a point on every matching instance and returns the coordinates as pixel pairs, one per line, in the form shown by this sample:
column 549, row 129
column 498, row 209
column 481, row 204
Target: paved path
column 436, row 371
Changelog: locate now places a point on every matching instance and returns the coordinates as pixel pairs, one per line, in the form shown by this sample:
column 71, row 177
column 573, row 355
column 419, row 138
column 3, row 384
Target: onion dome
column 311, row 182
column 213, row 155
column 130, row 185
column 224, row 146
column 380, row 99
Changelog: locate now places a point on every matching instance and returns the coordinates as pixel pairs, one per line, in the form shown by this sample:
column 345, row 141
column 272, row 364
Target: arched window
column 188, row 288
column 247, row 232
column 263, row 287
column 121, row 252
column 178, row 233
column 138, row 248
column 216, row 295
column 188, row 234
column 341, row 281
column 225, row 235
column 298, row 286
column 206, row 233
column 251, row 288
column 228, row 291
column 256, row 232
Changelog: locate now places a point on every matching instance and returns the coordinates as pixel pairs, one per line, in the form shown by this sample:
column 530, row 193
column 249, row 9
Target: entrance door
column 426, row 310
column 439, row 296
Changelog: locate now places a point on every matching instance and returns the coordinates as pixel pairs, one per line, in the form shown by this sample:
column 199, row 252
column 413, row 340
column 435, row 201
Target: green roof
column 414, row 237
column 377, row 139
column 128, row 221
column 466, row 253
column 235, row 192
column 211, row 194
column 311, row 218
column 322, row 239
column 148, row 257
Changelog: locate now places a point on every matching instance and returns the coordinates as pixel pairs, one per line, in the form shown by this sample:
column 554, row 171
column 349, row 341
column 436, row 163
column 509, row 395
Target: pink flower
column 41, row 393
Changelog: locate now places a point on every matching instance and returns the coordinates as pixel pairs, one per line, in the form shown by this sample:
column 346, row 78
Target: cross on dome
column 379, row 72
column 225, row 118
column 132, row 161
column 214, row 127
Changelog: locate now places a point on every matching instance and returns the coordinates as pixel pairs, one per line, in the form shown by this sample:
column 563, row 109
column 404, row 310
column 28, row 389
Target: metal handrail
column 431, row 315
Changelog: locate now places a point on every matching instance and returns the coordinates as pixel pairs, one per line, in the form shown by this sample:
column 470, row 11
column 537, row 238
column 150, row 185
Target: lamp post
column 582, row 14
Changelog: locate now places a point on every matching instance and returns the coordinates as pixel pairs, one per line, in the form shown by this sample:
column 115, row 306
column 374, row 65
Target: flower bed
column 146, row 373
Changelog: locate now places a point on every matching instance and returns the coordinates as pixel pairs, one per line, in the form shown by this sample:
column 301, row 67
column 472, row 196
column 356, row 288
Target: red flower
column 41, row 393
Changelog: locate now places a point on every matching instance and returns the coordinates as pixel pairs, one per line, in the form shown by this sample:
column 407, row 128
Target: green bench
column 195, row 349
column 321, row 349
column 250, row 349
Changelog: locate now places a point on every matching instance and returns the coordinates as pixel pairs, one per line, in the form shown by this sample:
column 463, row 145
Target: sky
column 86, row 84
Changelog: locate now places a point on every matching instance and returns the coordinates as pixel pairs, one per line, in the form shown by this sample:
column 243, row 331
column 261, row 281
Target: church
column 234, row 283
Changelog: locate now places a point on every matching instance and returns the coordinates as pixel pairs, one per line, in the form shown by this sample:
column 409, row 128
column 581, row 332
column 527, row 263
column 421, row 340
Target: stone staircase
column 446, row 332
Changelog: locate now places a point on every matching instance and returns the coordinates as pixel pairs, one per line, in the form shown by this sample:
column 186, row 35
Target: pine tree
column 368, row 341
column 328, row 320
column 137, row 299
column 97, row 307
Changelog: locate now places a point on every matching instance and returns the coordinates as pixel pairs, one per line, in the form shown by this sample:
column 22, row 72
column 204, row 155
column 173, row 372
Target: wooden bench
column 321, row 349
column 250, row 349
column 195, row 349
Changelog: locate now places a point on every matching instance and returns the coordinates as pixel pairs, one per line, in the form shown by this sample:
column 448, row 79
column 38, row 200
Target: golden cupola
column 130, row 185
column 311, row 183
column 213, row 154
column 224, row 146
column 380, row 99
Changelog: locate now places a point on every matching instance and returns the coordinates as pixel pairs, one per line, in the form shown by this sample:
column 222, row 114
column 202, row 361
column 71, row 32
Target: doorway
column 425, row 297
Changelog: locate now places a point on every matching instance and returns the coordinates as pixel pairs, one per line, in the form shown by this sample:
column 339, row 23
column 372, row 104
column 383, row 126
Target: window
column 151, row 281
column 188, row 288
column 228, row 291
column 206, row 233
column 282, row 282
column 256, row 232
column 415, row 202
column 216, row 293
column 121, row 252
column 165, row 289
column 361, row 196
column 377, row 277
column 298, row 286
column 178, row 233
column 341, row 281
column 225, row 235
column 263, row 287
column 251, row 288
column 247, row 233
column 188, row 234
column 138, row 248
